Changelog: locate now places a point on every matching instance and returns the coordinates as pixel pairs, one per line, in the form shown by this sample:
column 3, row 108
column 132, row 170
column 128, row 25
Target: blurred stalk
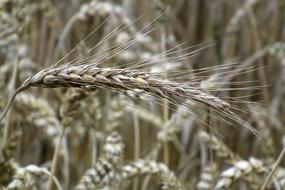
column 275, row 166
column 55, row 159
column 136, row 145
column 165, row 101
column 11, row 89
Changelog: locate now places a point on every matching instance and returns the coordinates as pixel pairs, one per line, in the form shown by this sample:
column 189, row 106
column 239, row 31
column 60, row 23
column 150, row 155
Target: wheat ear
column 90, row 76
column 239, row 170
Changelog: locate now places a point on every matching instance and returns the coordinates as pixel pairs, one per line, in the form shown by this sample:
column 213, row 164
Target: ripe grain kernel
column 140, row 81
column 74, row 76
column 88, row 78
column 49, row 79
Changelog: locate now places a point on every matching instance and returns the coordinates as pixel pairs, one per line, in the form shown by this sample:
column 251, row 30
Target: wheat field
column 142, row 94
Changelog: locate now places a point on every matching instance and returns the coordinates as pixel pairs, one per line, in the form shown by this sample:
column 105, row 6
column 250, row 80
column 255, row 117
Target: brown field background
column 231, row 49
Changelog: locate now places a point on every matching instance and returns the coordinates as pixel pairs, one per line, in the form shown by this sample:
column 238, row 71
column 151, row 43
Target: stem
column 146, row 181
column 137, row 145
column 165, row 144
column 275, row 166
column 165, row 103
column 137, row 136
column 11, row 89
column 55, row 159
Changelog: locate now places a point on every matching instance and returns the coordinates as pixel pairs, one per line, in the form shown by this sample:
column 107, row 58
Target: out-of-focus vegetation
column 121, row 137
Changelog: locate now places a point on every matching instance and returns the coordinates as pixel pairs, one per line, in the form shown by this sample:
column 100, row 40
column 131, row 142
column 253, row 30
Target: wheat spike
column 31, row 177
column 144, row 167
column 101, row 175
column 104, row 174
column 239, row 170
column 92, row 77
column 114, row 148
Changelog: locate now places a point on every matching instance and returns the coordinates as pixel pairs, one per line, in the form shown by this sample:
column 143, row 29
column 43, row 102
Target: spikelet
column 208, row 176
column 144, row 167
column 104, row 174
column 114, row 148
column 241, row 169
column 219, row 147
column 101, row 175
column 30, row 177
column 108, row 171
column 71, row 102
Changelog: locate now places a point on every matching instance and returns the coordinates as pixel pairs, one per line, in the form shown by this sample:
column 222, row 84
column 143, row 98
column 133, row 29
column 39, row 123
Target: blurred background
column 233, row 49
